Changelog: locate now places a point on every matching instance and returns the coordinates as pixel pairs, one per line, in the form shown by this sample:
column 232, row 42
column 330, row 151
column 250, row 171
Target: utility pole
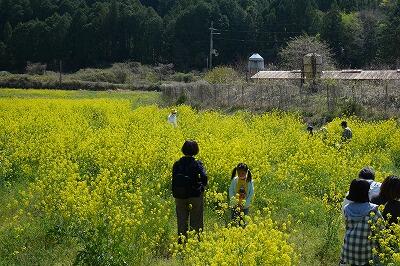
column 60, row 77
column 212, row 50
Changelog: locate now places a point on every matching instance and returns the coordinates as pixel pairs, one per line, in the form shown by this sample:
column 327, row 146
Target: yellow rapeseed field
column 98, row 171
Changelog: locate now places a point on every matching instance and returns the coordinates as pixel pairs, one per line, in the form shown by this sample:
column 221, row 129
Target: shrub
column 348, row 107
column 183, row 77
column 222, row 75
column 182, row 98
column 35, row 68
column 121, row 73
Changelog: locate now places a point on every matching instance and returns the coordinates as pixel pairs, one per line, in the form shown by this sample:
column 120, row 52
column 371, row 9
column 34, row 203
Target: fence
column 329, row 97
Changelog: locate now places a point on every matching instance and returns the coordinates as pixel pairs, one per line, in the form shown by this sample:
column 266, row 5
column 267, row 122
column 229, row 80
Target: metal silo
column 256, row 64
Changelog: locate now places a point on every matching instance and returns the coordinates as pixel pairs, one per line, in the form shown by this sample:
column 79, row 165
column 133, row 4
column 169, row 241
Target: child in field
column 347, row 134
column 310, row 130
column 357, row 247
column 367, row 173
column 172, row 118
column 241, row 191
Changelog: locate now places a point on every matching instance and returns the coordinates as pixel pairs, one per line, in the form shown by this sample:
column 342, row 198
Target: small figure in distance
column 310, row 129
column 347, row 134
column 172, row 118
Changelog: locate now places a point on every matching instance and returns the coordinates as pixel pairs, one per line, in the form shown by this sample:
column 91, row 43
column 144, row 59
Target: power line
column 242, row 40
column 266, row 32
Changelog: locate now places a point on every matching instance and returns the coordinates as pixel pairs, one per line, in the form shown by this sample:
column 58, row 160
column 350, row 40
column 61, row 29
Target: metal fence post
column 386, row 96
column 229, row 95
column 243, row 96
column 215, row 95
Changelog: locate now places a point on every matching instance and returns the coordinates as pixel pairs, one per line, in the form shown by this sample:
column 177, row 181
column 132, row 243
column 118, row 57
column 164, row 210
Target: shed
column 351, row 74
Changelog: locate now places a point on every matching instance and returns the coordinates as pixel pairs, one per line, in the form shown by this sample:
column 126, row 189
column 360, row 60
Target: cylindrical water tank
column 256, row 64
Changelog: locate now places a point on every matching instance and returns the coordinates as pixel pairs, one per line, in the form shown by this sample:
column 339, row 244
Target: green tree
column 153, row 29
column 353, row 40
column 105, row 31
column 3, row 55
column 28, row 42
column 15, row 11
column 237, row 36
column 71, row 6
column 43, row 8
column 78, row 45
column 57, row 30
column 190, row 37
column 370, row 21
column 332, row 30
column 389, row 35
column 7, row 32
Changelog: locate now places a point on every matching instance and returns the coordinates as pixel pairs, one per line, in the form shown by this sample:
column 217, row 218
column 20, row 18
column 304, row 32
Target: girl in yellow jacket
column 241, row 191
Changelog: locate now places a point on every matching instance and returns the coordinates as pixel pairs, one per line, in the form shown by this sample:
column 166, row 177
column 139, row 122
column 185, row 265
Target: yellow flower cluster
column 387, row 239
column 259, row 243
column 91, row 173
column 100, row 171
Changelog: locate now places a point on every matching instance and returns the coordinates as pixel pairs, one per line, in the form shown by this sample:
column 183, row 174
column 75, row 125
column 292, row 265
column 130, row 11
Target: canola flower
column 259, row 243
column 387, row 243
column 100, row 171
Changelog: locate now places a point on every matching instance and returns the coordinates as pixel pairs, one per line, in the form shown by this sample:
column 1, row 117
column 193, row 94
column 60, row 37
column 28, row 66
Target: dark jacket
column 378, row 200
column 189, row 166
column 392, row 207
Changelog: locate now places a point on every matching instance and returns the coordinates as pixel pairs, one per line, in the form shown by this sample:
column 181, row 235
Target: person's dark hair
column 344, row 124
column 190, row 148
column 367, row 173
column 390, row 188
column 358, row 191
column 242, row 166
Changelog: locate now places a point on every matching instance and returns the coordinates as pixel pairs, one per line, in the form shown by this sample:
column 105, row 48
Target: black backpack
column 183, row 184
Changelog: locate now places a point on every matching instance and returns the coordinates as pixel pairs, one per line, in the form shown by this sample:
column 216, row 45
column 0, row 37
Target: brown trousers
column 184, row 212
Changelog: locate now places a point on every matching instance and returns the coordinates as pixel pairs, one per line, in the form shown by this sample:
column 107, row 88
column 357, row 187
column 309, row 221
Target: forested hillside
column 83, row 33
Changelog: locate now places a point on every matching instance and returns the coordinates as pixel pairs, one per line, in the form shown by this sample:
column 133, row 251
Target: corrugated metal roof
column 352, row 74
column 362, row 74
column 277, row 75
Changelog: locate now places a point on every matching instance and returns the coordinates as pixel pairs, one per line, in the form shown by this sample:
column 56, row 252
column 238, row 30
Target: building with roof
column 312, row 71
column 351, row 74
